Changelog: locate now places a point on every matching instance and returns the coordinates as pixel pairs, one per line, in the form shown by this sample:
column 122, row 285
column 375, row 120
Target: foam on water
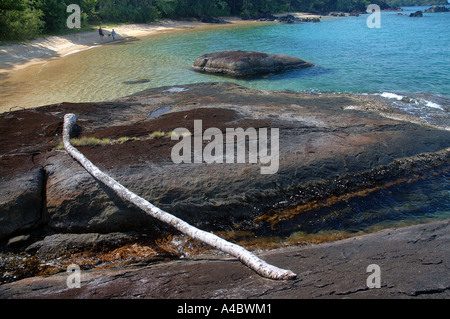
column 435, row 105
column 81, row 50
column 433, row 109
column 391, row 96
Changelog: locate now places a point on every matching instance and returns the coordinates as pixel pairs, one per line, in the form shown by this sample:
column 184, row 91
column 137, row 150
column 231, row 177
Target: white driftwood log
column 246, row 257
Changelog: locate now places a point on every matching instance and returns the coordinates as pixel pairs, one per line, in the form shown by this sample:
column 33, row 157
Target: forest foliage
column 411, row 3
column 27, row 19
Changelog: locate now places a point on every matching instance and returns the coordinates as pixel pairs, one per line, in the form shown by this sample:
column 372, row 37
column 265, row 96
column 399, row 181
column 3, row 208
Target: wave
column 432, row 109
column 391, row 96
column 410, row 99
column 85, row 49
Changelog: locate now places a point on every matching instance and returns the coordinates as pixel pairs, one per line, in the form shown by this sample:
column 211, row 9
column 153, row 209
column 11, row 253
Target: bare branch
column 246, row 257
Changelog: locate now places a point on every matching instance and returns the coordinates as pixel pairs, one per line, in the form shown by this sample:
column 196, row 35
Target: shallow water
column 406, row 203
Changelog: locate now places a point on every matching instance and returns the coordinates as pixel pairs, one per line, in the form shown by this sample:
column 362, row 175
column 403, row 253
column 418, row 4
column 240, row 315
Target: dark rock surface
column 414, row 263
column 260, row 17
column 328, row 147
column 416, row 14
column 434, row 9
column 59, row 244
column 247, row 63
column 290, row 19
column 207, row 19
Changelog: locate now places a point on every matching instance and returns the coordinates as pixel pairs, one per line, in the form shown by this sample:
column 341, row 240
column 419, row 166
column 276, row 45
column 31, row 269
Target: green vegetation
column 94, row 141
column 157, row 135
column 91, row 141
column 405, row 3
column 27, row 19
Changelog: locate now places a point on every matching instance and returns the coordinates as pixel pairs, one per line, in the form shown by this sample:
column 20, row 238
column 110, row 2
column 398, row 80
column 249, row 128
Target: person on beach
column 100, row 32
column 113, row 34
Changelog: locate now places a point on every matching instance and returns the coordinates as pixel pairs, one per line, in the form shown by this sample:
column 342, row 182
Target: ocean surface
column 405, row 62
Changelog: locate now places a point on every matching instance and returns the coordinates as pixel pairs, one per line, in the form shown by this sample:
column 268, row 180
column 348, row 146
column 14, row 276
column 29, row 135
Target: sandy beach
column 21, row 62
column 18, row 56
column 14, row 57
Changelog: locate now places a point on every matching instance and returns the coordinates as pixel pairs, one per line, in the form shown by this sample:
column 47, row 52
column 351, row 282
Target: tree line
column 27, row 19
column 405, row 3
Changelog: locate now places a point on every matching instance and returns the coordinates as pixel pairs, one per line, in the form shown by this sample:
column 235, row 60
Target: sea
column 405, row 62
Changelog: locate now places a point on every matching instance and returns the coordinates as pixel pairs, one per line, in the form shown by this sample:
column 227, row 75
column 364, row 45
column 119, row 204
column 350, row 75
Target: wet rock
column 434, row 9
column 337, row 14
column 63, row 244
column 260, row 17
column 416, row 14
column 314, row 20
column 21, row 201
column 207, row 19
column 290, row 19
column 245, row 63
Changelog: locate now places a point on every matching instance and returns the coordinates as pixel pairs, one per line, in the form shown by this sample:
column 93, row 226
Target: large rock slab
column 247, row 63
column 414, row 263
column 328, row 147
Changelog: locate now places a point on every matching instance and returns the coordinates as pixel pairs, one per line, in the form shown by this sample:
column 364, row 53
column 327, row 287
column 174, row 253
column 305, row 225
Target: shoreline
column 14, row 57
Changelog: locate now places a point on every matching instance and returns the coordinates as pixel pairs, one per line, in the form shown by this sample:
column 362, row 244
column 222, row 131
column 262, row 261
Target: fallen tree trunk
column 246, row 257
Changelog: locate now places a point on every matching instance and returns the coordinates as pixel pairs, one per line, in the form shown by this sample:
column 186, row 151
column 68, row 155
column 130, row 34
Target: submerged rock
column 416, row 14
column 141, row 81
column 247, row 63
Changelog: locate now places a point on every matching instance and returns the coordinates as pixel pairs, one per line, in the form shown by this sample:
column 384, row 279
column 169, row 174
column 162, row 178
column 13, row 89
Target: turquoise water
column 405, row 57
column 405, row 54
column 415, row 202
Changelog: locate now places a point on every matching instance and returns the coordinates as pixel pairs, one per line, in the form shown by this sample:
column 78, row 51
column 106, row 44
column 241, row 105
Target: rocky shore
column 330, row 146
column 414, row 264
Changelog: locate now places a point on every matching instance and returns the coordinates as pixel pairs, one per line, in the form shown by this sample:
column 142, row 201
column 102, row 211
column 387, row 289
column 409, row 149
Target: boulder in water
column 247, row 63
column 416, row 14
